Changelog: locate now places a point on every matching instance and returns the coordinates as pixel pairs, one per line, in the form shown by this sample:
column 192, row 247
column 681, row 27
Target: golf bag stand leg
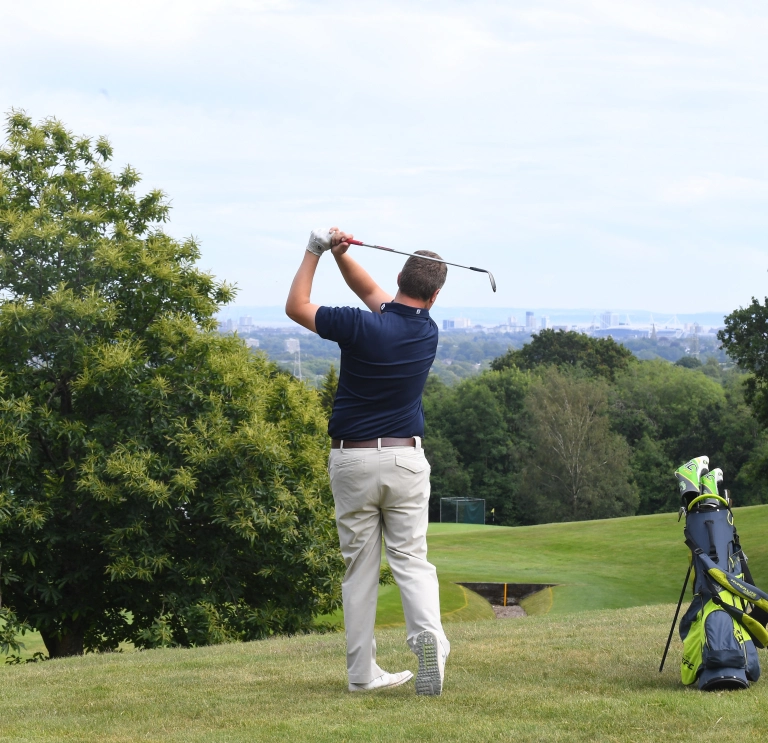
column 674, row 621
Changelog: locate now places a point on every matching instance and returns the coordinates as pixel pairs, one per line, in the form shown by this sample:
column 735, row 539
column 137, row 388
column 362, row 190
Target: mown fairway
column 567, row 673
column 590, row 676
column 609, row 564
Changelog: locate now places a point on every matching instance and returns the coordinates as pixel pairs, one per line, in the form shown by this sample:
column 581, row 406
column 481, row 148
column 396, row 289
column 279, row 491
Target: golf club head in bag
column 689, row 478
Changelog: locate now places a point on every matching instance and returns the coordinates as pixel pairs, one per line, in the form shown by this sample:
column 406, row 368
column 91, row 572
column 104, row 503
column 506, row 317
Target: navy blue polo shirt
column 385, row 360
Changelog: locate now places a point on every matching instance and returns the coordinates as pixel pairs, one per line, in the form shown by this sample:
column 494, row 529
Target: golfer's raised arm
column 298, row 305
column 359, row 280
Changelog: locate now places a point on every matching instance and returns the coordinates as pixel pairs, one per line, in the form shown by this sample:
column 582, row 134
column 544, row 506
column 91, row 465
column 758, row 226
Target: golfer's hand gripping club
column 424, row 257
column 320, row 240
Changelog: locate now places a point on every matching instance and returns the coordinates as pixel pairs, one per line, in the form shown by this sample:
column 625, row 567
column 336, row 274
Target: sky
column 590, row 153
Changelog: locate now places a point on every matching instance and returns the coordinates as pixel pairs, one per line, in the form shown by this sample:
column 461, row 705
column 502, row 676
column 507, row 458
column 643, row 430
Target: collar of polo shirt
column 404, row 309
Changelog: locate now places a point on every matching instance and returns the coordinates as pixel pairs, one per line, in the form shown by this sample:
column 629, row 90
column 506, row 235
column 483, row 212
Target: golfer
column 379, row 475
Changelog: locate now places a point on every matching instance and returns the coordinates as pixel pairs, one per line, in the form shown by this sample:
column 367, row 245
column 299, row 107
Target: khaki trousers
column 383, row 493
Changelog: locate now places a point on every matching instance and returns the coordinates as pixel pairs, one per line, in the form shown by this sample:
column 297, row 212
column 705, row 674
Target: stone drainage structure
column 505, row 598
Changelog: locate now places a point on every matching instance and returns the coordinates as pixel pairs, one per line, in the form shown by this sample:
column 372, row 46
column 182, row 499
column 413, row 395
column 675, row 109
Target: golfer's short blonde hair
column 421, row 279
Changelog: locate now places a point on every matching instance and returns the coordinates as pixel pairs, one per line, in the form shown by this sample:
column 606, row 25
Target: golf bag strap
column 758, row 614
column 738, row 615
column 690, row 544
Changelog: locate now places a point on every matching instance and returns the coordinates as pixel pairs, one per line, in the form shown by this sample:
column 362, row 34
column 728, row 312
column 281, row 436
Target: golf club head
column 480, row 270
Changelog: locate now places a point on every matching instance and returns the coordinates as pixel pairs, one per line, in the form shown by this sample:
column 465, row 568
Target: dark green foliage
column 159, row 484
column 328, row 390
column 666, row 413
column 745, row 338
column 663, row 414
column 578, row 469
column 449, row 479
column 689, row 362
column 483, row 421
column 599, row 356
column 11, row 629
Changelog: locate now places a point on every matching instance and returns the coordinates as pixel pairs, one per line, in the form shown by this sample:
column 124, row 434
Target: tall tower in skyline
column 530, row 320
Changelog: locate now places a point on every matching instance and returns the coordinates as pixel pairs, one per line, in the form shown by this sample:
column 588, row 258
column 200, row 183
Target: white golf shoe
column 429, row 651
column 385, row 681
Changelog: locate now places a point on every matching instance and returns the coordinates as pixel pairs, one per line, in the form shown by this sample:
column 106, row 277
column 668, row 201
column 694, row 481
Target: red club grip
column 353, row 242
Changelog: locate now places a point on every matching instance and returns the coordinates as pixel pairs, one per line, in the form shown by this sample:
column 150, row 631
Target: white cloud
column 573, row 147
column 715, row 187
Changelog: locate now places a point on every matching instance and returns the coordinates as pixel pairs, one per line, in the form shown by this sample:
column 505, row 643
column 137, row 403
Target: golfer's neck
column 401, row 298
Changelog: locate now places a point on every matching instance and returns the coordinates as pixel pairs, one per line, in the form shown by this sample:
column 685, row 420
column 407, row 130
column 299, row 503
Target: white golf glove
column 319, row 241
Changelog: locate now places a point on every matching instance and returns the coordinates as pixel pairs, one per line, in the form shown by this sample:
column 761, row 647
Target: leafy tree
column 328, row 390
column 159, row 484
column 483, row 419
column 598, row 356
column 744, row 338
column 689, row 362
column 668, row 414
column 579, row 468
column 449, row 479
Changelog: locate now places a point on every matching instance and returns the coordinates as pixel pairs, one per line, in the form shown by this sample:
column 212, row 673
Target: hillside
column 607, row 564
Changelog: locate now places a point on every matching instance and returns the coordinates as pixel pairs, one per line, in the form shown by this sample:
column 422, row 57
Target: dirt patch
column 509, row 612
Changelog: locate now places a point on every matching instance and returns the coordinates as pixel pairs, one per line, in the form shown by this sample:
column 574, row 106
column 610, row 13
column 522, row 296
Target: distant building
column 564, row 328
column 227, row 326
column 545, row 323
column 625, row 331
column 609, row 320
column 512, row 320
column 252, row 342
column 530, row 321
column 447, row 324
column 246, row 324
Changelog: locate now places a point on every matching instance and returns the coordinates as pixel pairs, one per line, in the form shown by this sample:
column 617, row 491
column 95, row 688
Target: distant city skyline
column 558, row 318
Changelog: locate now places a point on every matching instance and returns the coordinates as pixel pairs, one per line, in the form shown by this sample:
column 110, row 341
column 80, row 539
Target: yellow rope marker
column 505, row 594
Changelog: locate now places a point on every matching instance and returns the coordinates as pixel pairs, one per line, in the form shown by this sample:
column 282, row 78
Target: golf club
column 426, row 258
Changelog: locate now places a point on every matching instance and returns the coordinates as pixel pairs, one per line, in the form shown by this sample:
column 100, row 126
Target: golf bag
column 727, row 616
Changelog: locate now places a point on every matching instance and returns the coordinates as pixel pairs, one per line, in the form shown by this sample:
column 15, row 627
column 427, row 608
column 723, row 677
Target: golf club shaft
column 426, row 258
column 674, row 621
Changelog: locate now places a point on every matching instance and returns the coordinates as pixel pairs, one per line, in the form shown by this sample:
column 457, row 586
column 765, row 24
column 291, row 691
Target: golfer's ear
column 398, row 279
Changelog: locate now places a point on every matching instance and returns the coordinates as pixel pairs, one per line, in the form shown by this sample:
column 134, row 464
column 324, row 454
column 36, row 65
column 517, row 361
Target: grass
column 590, row 676
column 608, row 564
column 583, row 667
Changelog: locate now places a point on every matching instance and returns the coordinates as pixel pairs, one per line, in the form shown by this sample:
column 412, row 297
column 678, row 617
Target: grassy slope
column 606, row 564
column 590, row 676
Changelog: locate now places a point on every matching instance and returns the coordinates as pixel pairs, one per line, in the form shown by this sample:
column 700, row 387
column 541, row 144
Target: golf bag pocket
column 717, row 651
column 723, row 647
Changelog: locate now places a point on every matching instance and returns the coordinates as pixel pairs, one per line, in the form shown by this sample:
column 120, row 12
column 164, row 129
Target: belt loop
column 378, row 441
column 341, row 445
column 418, row 442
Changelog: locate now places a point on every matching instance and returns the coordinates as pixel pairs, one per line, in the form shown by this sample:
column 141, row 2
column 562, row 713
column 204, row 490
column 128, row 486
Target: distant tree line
column 462, row 354
column 572, row 427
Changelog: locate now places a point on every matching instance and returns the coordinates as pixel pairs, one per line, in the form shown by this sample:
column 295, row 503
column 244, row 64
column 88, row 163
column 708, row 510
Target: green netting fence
column 462, row 510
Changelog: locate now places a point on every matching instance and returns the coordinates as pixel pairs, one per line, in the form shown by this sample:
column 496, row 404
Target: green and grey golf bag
column 727, row 616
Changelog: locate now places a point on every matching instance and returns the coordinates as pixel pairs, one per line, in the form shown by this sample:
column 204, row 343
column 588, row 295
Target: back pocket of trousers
column 411, row 463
